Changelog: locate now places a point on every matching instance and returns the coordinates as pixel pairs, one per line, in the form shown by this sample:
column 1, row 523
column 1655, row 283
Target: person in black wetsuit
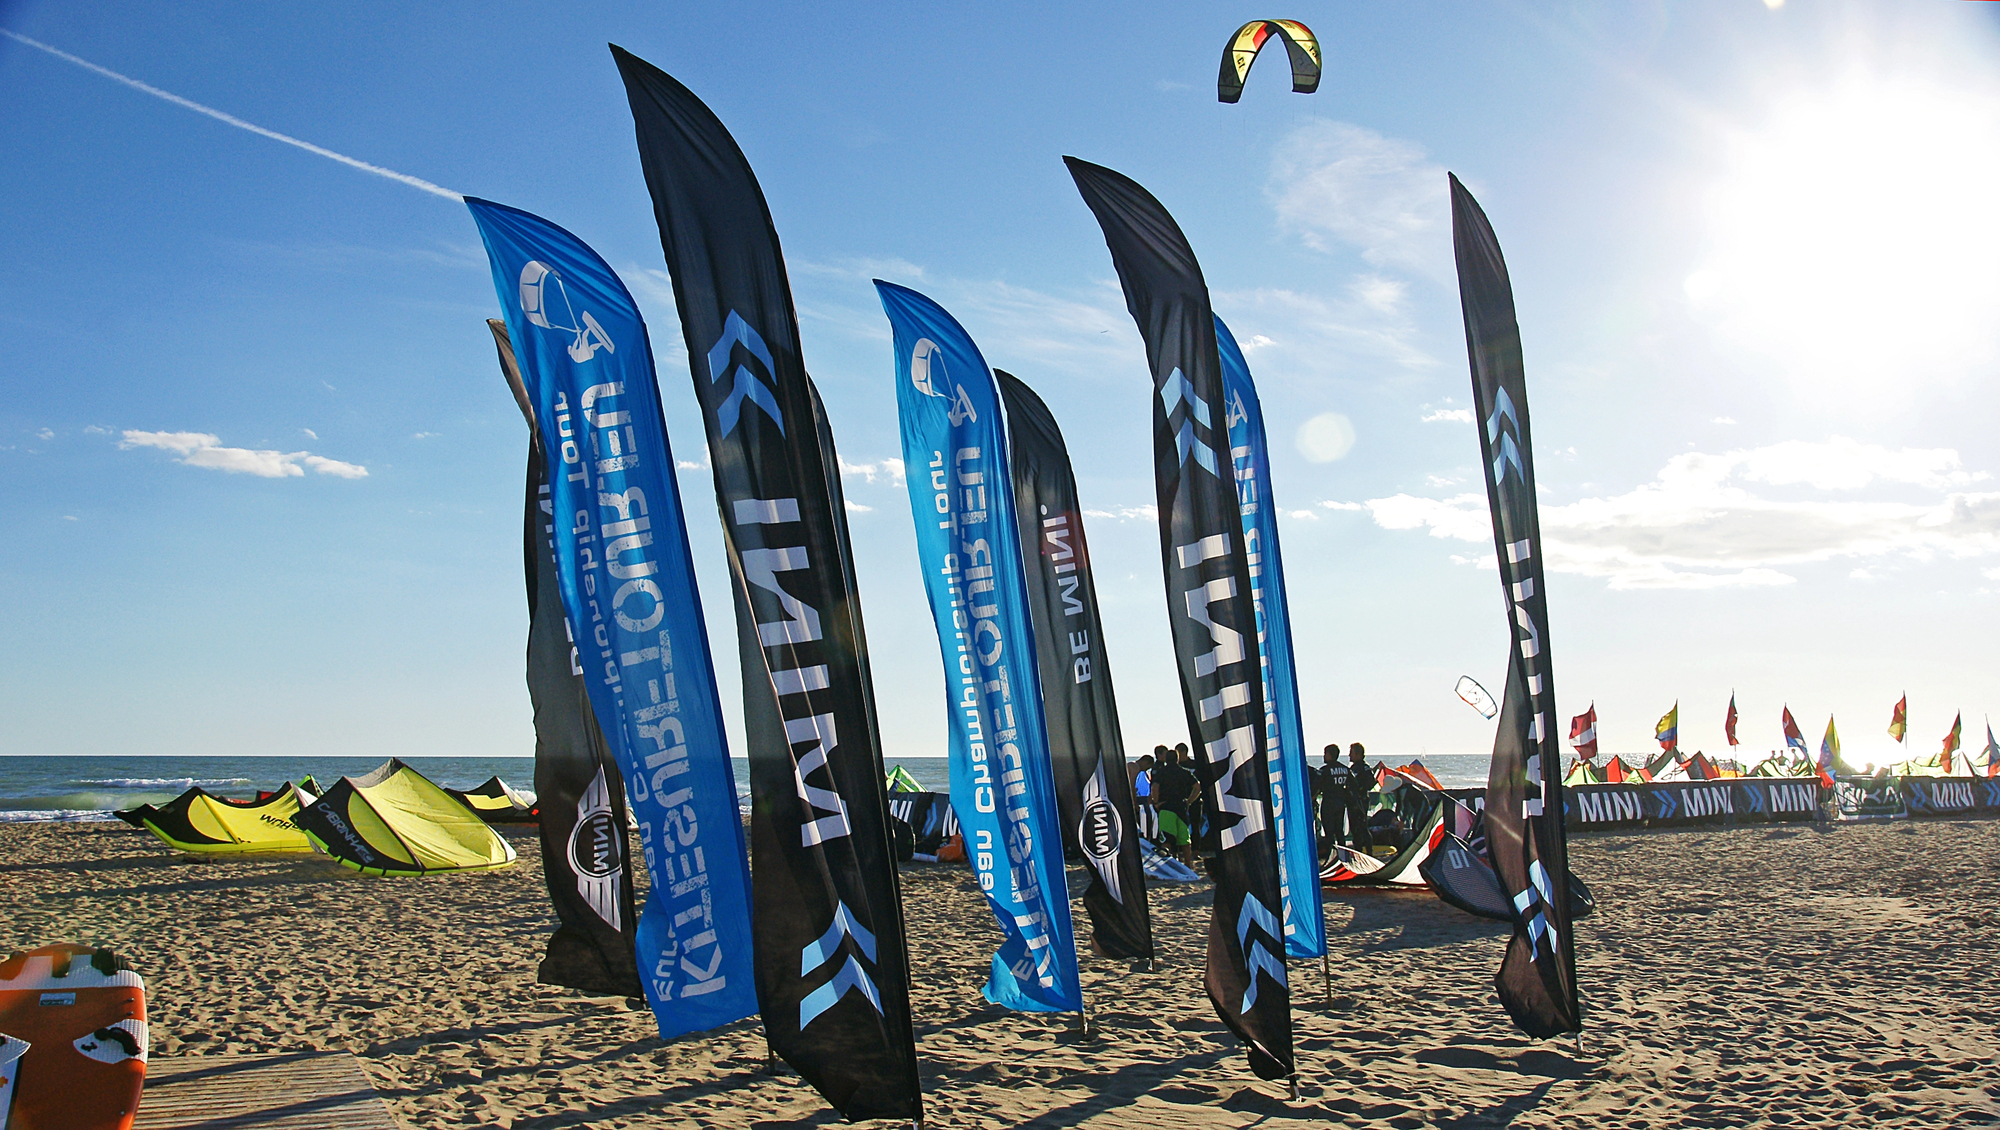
column 1330, row 781
column 1174, row 786
column 1360, row 783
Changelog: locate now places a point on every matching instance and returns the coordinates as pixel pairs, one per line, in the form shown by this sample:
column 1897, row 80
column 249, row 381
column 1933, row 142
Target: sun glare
column 1854, row 237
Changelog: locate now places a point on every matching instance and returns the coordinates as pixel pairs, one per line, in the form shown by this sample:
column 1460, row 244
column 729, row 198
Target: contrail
column 239, row 123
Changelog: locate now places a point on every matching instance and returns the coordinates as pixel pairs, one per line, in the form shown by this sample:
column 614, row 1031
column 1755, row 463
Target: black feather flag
column 1524, row 807
column 1209, row 606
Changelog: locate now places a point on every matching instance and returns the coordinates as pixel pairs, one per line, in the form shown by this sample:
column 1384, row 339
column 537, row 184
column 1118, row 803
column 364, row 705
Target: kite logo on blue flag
column 628, row 593
column 536, row 280
column 1002, row 781
column 926, row 354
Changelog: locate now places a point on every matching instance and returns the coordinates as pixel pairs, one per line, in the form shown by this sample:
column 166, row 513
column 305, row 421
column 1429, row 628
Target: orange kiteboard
column 81, row 1015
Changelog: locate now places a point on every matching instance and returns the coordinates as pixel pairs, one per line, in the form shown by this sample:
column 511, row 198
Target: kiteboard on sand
column 74, row 1020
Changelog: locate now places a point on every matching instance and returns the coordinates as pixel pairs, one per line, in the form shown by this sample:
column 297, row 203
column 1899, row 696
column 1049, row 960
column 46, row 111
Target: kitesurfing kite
column 1242, row 49
column 1476, row 697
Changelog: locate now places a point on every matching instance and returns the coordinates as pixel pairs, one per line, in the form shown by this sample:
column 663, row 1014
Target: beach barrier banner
column 628, row 589
column 1002, row 786
column 1284, row 735
column 1209, row 606
column 1774, row 801
column 832, row 971
column 1671, row 804
column 1524, row 811
column 1869, row 798
column 586, row 859
column 1943, row 796
column 1086, row 747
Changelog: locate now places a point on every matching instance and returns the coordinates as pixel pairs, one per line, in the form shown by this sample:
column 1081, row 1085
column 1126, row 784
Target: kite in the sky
column 1242, row 49
column 1476, row 697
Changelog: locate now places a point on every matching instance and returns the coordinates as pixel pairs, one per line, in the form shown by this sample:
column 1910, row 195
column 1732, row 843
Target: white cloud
column 309, row 433
column 895, row 270
column 1380, row 194
column 1448, row 415
column 1724, row 420
column 1330, row 505
column 685, row 465
column 424, row 435
column 1304, row 514
column 1321, row 336
column 1700, row 523
column 1326, row 437
column 178, row 442
column 889, row 470
column 854, row 507
column 1149, row 512
column 200, row 449
column 45, row 434
column 96, row 430
column 336, row 468
column 69, row 518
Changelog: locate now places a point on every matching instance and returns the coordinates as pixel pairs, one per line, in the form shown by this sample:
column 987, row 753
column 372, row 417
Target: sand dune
column 1757, row 976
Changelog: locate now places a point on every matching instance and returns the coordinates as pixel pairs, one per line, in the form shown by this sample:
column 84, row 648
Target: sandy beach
column 1755, row 976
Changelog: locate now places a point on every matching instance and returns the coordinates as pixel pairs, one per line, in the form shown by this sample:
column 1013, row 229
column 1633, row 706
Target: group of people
column 1170, row 798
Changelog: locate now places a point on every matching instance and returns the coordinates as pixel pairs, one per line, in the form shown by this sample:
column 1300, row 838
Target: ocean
column 37, row 788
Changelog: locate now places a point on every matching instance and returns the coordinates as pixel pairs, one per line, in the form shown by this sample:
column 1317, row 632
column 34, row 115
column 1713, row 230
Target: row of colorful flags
column 1583, row 737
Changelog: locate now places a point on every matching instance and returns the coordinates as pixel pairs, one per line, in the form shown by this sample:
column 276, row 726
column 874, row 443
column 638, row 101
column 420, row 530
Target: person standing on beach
column 1331, row 781
column 1142, row 793
column 1173, row 788
column 1360, row 784
column 1201, row 830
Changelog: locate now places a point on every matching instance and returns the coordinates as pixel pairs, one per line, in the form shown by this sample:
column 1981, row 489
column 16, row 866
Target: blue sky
column 263, row 481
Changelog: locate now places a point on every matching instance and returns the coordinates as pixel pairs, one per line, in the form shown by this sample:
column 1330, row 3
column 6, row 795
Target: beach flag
column 1729, row 721
column 1899, row 723
column 1829, row 754
column 1951, row 743
column 1212, row 613
column 1100, row 818
column 1667, row 730
column 1525, row 838
column 586, row 857
column 1284, row 733
column 1992, row 752
column 833, row 972
column 1793, row 739
column 970, row 552
column 628, row 588
column 1583, row 733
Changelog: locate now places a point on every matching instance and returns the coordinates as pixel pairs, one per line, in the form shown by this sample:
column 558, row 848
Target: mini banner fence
column 1761, row 800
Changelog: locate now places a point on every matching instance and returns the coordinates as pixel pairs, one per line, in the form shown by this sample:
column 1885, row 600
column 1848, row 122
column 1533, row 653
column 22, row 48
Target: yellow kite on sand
column 201, row 823
column 394, row 821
